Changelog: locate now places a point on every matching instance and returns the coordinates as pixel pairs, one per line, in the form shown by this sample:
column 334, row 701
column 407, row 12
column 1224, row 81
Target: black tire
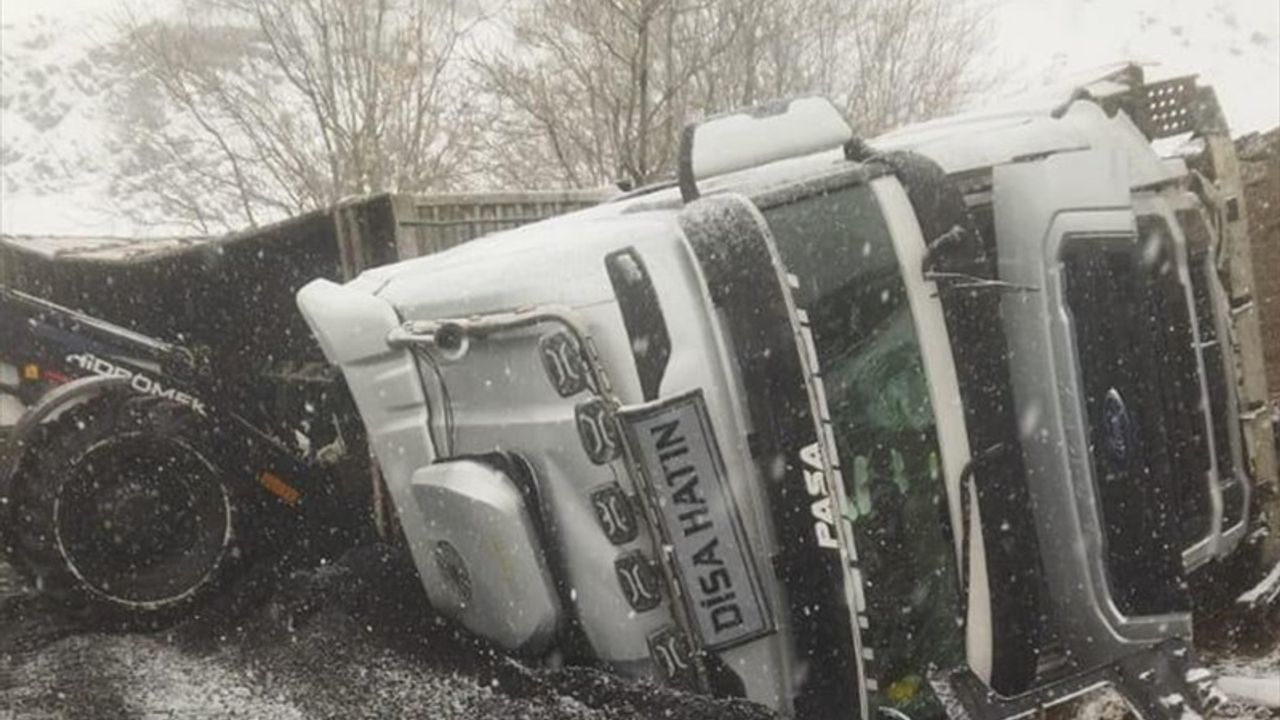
column 119, row 509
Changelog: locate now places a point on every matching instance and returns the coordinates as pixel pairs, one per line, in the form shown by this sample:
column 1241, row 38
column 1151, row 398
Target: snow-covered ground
column 356, row 639
column 1243, row 677
column 351, row 641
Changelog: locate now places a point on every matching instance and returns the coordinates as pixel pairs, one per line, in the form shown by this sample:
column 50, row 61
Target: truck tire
column 120, row 510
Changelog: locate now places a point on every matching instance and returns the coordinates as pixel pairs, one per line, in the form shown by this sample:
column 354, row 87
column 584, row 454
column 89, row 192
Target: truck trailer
column 171, row 417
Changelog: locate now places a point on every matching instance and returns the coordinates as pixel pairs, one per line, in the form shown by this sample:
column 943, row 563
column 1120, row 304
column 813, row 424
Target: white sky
column 1233, row 44
column 68, row 10
column 1039, row 40
column 1033, row 40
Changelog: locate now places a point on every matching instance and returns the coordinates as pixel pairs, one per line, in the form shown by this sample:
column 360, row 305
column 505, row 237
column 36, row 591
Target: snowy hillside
column 73, row 108
column 56, row 81
column 1233, row 45
column 68, row 108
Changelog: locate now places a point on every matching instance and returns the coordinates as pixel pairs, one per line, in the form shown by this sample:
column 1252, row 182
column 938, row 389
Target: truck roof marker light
column 672, row 653
column 562, row 360
column 640, row 581
column 758, row 135
column 614, row 513
column 597, row 430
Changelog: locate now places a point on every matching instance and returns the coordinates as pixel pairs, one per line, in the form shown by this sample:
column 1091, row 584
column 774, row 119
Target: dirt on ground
column 1237, row 645
column 356, row 639
column 351, row 639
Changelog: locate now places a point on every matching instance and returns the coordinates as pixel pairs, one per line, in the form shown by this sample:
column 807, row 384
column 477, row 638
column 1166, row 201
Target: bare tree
column 272, row 107
column 596, row 92
column 593, row 92
column 901, row 61
column 257, row 109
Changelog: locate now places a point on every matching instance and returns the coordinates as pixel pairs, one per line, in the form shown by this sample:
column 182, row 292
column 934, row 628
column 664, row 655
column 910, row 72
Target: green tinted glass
column 839, row 248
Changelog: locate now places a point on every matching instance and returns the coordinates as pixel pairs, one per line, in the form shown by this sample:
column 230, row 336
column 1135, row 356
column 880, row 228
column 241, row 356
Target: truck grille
column 1121, row 350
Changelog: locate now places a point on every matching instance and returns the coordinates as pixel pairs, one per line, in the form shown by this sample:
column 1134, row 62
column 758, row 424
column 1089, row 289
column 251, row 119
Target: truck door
column 1085, row 366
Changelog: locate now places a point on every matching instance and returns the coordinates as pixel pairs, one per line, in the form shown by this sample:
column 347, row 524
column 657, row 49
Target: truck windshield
column 839, row 248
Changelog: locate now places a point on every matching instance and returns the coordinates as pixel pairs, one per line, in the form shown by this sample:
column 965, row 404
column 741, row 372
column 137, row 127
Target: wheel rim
column 143, row 521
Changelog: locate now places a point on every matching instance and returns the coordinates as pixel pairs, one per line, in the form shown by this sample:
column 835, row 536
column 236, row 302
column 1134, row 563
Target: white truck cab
column 762, row 434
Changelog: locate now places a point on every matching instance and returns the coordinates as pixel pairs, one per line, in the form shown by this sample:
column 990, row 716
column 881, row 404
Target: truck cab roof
column 971, row 143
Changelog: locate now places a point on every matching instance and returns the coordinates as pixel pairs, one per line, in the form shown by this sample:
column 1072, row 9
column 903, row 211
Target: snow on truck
column 843, row 429
column 935, row 424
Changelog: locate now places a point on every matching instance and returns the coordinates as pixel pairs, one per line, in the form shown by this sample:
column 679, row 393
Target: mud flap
column 1164, row 682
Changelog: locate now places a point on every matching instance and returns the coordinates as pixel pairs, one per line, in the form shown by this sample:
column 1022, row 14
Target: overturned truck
column 831, row 425
column 929, row 425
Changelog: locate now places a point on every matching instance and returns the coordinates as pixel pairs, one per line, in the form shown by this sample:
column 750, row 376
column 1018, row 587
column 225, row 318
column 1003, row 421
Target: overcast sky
column 1233, row 44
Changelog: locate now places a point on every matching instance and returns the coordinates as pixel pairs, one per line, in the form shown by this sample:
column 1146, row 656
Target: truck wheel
column 120, row 508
